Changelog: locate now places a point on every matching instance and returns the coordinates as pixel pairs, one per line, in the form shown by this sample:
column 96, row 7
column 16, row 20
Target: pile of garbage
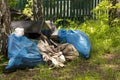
column 55, row 49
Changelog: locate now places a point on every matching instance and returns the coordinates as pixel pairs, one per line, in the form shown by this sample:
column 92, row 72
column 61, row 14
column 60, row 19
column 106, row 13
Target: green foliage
column 1, row 58
column 103, row 37
column 12, row 3
column 101, row 11
column 2, row 62
column 68, row 24
column 28, row 9
column 105, row 41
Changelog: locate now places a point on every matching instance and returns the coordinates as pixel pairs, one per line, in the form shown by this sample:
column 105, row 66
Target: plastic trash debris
column 76, row 38
column 22, row 52
column 50, row 53
column 69, row 51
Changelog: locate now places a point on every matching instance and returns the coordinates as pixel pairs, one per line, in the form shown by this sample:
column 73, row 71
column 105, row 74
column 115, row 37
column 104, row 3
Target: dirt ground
column 104, row 67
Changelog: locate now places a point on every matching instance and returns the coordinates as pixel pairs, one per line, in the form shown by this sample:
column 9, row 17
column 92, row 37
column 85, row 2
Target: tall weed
column 104, row 39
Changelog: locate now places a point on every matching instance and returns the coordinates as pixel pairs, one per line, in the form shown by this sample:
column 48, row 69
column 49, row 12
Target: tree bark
column 113, row 12
column 118, row 10
column 4, row 26
column 37, row 10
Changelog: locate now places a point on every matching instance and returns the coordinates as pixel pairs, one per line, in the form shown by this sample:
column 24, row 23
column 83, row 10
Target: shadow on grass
column 101, row 67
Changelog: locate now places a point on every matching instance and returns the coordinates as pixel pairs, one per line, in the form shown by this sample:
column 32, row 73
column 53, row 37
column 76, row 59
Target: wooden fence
column 65, row 9
column 68, row 9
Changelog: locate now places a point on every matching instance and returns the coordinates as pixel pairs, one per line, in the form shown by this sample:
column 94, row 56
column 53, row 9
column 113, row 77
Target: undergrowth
column 105, row 53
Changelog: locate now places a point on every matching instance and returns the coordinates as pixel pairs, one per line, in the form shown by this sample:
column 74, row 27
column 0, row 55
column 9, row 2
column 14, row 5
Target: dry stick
column 53, row 42
column 44, row 37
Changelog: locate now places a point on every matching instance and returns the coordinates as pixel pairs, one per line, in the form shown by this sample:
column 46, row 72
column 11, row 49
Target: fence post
column 69, row 9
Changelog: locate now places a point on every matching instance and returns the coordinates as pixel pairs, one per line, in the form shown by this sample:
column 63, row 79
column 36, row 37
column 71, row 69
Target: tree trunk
column 37, row 10
column 4, row 26
column 118, row 10
column 113, row 12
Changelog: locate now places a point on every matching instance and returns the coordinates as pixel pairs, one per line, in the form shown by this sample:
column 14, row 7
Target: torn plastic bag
column 22, row 53
column 78, row 39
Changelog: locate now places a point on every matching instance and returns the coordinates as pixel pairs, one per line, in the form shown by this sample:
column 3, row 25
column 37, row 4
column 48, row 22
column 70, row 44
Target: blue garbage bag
column 77, row 38
column 22, row 53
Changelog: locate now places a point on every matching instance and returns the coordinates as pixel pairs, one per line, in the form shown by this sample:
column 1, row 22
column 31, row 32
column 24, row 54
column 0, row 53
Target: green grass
column 103, row 64
column 104, row 61
column 100, row 67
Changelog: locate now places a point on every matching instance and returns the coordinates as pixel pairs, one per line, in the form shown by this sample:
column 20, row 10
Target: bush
column 103, row 37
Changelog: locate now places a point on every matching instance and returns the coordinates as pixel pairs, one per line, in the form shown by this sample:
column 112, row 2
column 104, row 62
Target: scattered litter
column 59, row 55
column 53, row 46
column 49, row 53
column 22, row 52
column 76, row 38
